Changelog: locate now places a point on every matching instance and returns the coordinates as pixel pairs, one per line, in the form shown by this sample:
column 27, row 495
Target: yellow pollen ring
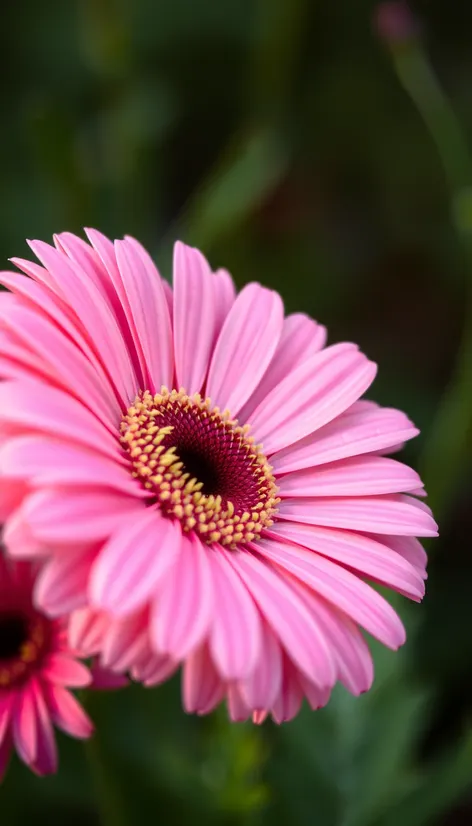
column 157, row 465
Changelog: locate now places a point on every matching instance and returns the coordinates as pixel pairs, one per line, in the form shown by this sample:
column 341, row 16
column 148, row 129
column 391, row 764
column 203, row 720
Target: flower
column 37, row 666
column 395, row 23
column 200, row 478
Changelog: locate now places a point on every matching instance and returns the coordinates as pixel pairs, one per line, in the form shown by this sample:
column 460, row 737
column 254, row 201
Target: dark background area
column 280, row 137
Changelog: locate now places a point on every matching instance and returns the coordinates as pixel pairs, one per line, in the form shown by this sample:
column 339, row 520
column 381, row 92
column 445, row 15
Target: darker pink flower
column 37, row 667
column 200, row 477
column 395, row 23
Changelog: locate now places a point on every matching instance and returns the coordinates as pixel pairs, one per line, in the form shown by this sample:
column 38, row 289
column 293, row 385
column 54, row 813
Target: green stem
column 107, row 795
column 444, row 455
column 419, row 80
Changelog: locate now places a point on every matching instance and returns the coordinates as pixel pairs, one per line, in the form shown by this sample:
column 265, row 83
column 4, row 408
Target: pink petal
column 238, row 710
column 260, row 689
column 17, row 355
column 214, row 700
column 373, row 514
column 40, row 298
column 370, row 558
column 152, row 271
column 359, row 476
column 60, row 516
column 315, row 696
column 21, row 576
column 67, row 713
column 125, row 642
column 5, row 578
column 354, row 660
column 202, row 687
column 25, row 724
column 105, row 680
column 225, row 296
column 89, row 262
column 301, row 338
column 288, row 703
column 87, row 302
column 63, row 670
column 42, row 275
column 11, row 496
column 59, row 359
column 6, row 739
column 245, row 347
column 418, row 492
column 45, row 761
column 6, row 708
column 86, row 630
column 148, row 315
column 18, row 363
column 169, row 297
column 61, row 586
column 155, row 670
column 194, row 317
column 31, row 406
column 235, row 635
column 311, row 395
column 408, row 547
column 287, row 616
column 363, row 428
column 182, row 612
column 409, row 499
column 340, row 587
column 113, row 285
column 45, row 461
column 6, row 744
column 132, row 563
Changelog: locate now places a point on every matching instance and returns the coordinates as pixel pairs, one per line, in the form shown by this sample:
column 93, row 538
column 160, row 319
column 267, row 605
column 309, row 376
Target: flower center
column 23, row 640
column 13, row 634
column 200, row 466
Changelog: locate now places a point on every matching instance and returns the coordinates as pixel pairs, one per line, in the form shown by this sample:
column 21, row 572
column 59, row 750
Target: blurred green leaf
column 440, row 786
column 246, row 174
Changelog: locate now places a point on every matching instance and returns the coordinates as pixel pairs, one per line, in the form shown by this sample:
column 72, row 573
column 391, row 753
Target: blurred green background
column 298, row 148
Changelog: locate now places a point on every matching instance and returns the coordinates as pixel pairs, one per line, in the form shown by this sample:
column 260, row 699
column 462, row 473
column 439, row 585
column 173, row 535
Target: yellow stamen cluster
column 151, row 432
column 30, row 652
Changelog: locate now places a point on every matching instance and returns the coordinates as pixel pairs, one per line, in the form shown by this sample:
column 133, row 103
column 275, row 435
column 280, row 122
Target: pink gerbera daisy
column 36, row 668
column 201, row 477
